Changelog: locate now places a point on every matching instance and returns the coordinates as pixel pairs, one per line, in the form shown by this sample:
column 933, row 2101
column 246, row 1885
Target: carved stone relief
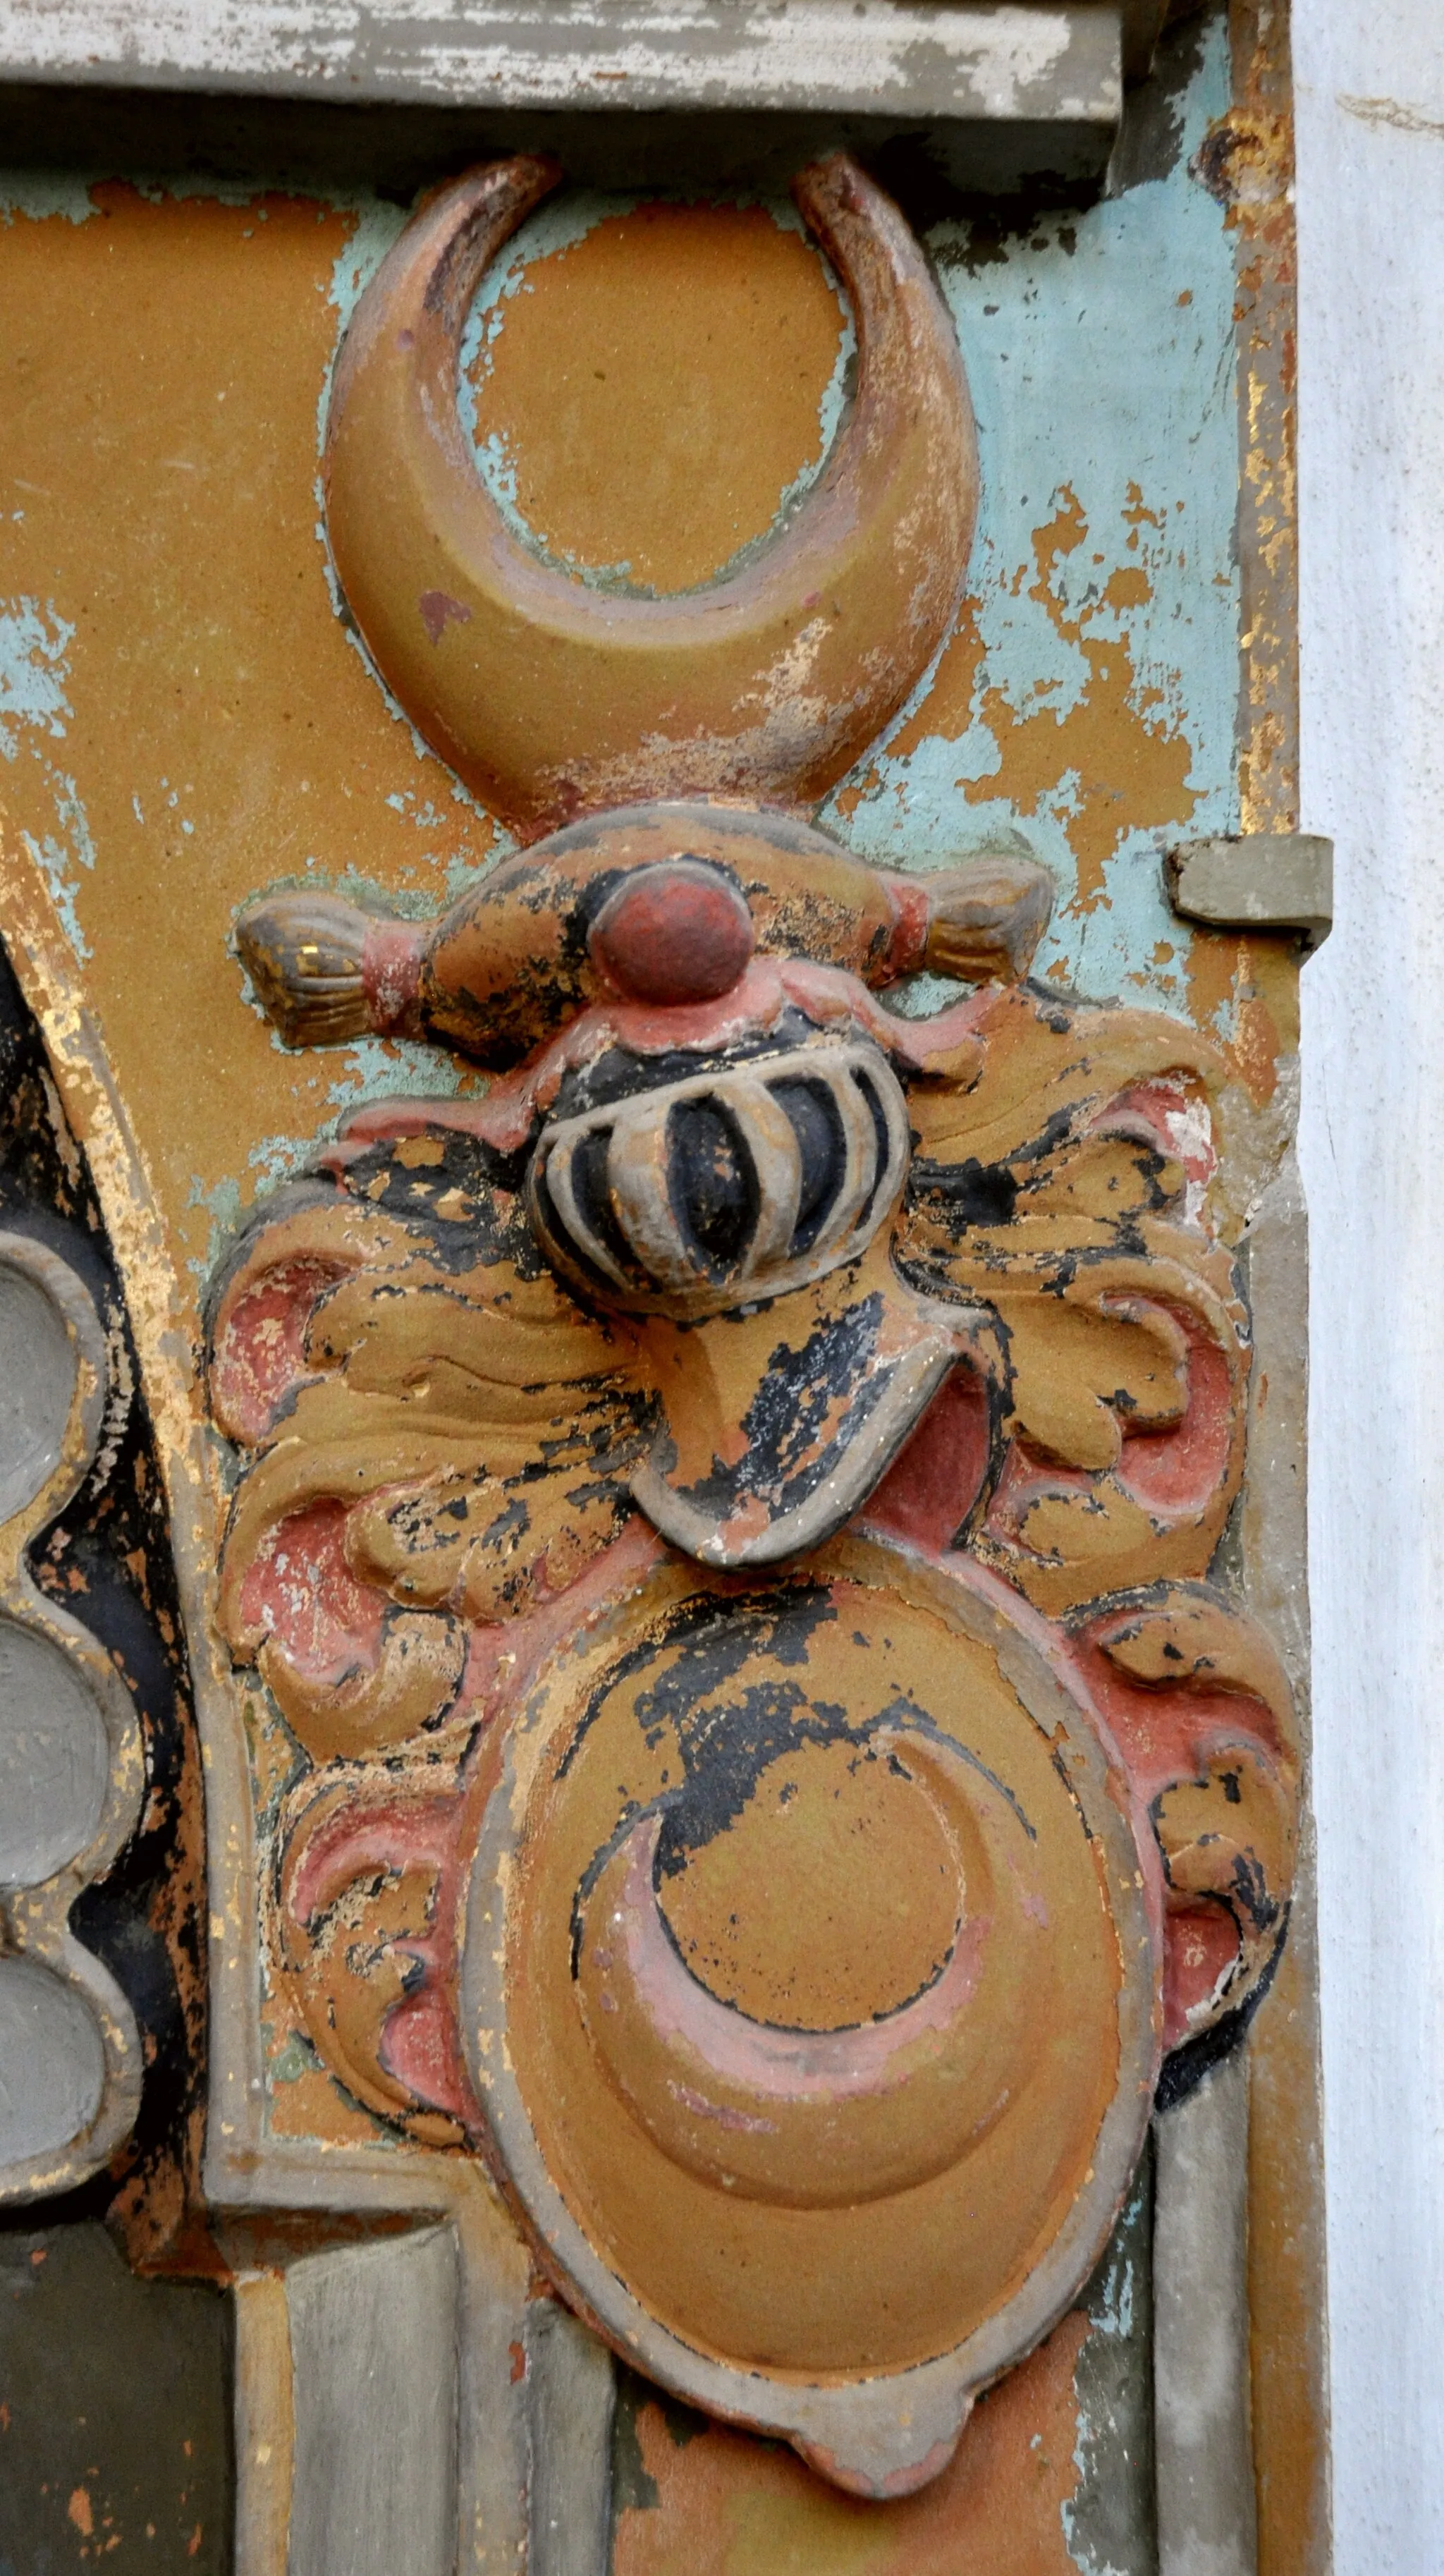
column 728, row 1512
column 730, row 1443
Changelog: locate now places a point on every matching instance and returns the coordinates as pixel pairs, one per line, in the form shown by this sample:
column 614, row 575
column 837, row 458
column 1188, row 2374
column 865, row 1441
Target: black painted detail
column 712, row 1183
column 813, row 1116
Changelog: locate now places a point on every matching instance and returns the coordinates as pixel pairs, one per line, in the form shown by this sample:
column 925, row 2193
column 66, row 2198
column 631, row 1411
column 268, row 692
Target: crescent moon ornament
column 550, row 698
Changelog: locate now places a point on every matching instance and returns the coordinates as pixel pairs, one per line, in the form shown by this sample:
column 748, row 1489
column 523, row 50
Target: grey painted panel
column 1110, row 2520
column 37, row 1382
column 52, row 2063
column 1206, row 2509
column 571, row 2386
column 114, row 2400
column 1011, row 61
column 54, row 1757
column 374, row 2379
column 1263, row 880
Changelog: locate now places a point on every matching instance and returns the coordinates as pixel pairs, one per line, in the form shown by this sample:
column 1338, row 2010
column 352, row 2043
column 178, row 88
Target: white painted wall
column 1370, row 92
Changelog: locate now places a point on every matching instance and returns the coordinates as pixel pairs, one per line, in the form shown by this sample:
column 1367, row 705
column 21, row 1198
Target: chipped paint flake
column 34, row 670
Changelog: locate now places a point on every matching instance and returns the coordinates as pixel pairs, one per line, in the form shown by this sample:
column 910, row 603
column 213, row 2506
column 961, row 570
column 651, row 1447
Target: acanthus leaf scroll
column 727, row 1514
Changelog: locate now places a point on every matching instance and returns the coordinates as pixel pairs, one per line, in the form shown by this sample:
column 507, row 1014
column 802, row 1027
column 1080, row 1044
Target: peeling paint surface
column 692, row 2498
column 1086, row 707
column 1087, row 700
column 186, row 720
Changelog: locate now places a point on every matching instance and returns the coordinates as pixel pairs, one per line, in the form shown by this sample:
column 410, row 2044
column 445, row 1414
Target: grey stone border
column 70, row 2058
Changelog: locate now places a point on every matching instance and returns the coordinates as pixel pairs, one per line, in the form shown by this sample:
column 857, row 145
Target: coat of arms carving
column 725, row 1512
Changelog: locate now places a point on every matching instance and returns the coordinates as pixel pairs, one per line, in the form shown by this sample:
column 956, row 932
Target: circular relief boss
column 70, row 1755
column 811, row 1988
column 72, row 1768
column 52, row 2067
column 52, row 1377
column 71, row 1763
column 70, row 2065
column 55, row 1757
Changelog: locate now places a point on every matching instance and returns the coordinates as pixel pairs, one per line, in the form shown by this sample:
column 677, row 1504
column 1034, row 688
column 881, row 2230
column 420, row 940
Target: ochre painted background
column 185, row 720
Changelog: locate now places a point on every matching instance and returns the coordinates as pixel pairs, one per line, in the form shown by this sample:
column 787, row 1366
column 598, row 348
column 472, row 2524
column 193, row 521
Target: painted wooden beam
column 1031, row 61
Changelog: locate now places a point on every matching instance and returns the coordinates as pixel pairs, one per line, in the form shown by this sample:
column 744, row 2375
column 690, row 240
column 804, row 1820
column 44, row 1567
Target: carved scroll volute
column 1196, row 1696
column 549, row 697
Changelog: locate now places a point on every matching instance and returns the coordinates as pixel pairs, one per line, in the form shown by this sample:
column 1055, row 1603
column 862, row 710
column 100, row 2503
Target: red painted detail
column 1200, row 1946
column 908, row 901
column 300, row 1590
column 505, row 1116
column 937, row 1477
column 676, row 932
column 391, row 971
column 1173, row 1118
column 392, row 1829
column 954, row 1038
column 1173, row 1473
column 1164, row 1732
column 387, row 1121
column 401, row 1834
column 261, row 1353
column 421, row 2043
column 1165, row 1735
column 439, row 610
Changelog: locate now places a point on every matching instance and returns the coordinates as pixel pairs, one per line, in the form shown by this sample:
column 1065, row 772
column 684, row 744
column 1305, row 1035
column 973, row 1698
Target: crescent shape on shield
column 551, row 698
column 818, row 2117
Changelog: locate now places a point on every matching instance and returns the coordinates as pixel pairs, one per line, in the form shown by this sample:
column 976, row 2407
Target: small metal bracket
column 1280, row 881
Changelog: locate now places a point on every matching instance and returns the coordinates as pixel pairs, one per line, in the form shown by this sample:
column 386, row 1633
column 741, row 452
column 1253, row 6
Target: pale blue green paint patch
column 34, row 669
column 34, row 673
column 37, row 195
column 1100, row 353
column 60, row 853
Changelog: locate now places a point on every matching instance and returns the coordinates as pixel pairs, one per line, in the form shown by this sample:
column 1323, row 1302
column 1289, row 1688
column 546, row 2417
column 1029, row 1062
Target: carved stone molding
column 71, row 1771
